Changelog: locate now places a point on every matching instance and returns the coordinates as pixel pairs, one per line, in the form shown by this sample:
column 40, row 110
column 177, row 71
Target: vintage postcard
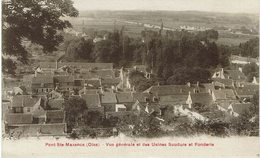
column 130, row 78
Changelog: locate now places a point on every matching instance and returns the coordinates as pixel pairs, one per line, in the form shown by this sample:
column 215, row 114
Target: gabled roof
column 64, row 79
column 24, row 100
column 226, row 82
column 89, row 91
column 247, row 90
column 224, row 94
column 95, row 83
column 112, row 81
column 56, row 103
column 12, row 118
column 124, row 97
column 92, row 100
column 42, row 79
column 172, row 89
column 202, row 98
column 173, row 99
column 108, row 97
column 141, row 97
column 54, row 114
column 97, row 73
column 234, row 75
column 240, row 108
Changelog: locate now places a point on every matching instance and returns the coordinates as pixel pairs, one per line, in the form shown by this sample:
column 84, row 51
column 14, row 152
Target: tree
column 79, row 49
column 37, row 21
column 75, row 110
column 251, row 70
column 192, row 75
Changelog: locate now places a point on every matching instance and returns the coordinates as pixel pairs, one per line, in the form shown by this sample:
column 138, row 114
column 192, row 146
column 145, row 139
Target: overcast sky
column 233, row 6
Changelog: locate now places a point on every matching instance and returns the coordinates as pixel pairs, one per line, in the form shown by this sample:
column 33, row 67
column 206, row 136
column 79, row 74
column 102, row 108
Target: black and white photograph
column 130, row 78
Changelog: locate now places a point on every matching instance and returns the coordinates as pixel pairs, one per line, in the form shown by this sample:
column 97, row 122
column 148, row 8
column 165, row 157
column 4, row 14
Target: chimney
column 35, row 73
column 56, row 64
column 198, row 83
column 240, row 69
column 188, row 84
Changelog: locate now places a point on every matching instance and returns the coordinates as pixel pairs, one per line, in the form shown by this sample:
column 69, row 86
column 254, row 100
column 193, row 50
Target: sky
column 230, row 6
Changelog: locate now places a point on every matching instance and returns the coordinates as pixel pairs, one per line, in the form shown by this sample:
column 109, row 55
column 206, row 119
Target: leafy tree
column 94, row 119
column 192, row 75
column 75, row 109
column 251, row 70
column 9, row 66
column 250, row 48
column 79, row 49
column 37, row 21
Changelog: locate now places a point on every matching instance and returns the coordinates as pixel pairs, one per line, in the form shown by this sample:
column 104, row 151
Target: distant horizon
column 220, row 6
column 219, row 12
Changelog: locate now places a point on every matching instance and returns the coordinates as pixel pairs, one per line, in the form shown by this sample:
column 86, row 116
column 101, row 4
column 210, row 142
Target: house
column 120, row 107
column 223, row 94
column 161, row 90
column 90, row 74
column 144, row 97
column 64, row 82
column 42, row 84
column 110, row 82
column 200, row 98
column 146, row 109
column 92, row 100
column 18, row 118
column 223, row 83
column 172, row 99
column 235, row 59
column 26, row 104
column 108, row 101
column 236, row 109
column 236, row 75
column 246, row 91
column 125, row 99
column 55, row 116
column 89, row 91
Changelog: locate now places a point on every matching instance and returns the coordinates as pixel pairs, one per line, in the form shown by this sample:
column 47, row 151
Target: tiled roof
column 142, row 96
column 97, row 73
column 202, row 98
column 234, row 74
column 247, row 90
column 92, row 100
column 241, row 108
column 173, row 99
column 124, row 97
column 42, row 79
column 224, row 94
column 113, row 81
column 108, row 97
column 226, row 82
column 56, row 103
column 95, row 83
column 52, row 65
column 24, row 100
column 12, row 118
column 53, row 114
column 64, row 79
column 89, row 91
column 172, row 89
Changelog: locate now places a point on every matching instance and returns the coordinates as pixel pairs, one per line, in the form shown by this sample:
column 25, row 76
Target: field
column 134, row 22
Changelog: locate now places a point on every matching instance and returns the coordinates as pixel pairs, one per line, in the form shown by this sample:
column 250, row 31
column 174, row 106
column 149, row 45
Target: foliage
column 79, row 49
column 251, row 70
column 37, row 21
column 250, row 48
column 192, row 75
column 94, row 119
column 9, row 66
column 75, row 109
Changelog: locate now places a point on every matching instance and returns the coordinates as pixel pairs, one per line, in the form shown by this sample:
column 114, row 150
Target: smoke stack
column 188, row 84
